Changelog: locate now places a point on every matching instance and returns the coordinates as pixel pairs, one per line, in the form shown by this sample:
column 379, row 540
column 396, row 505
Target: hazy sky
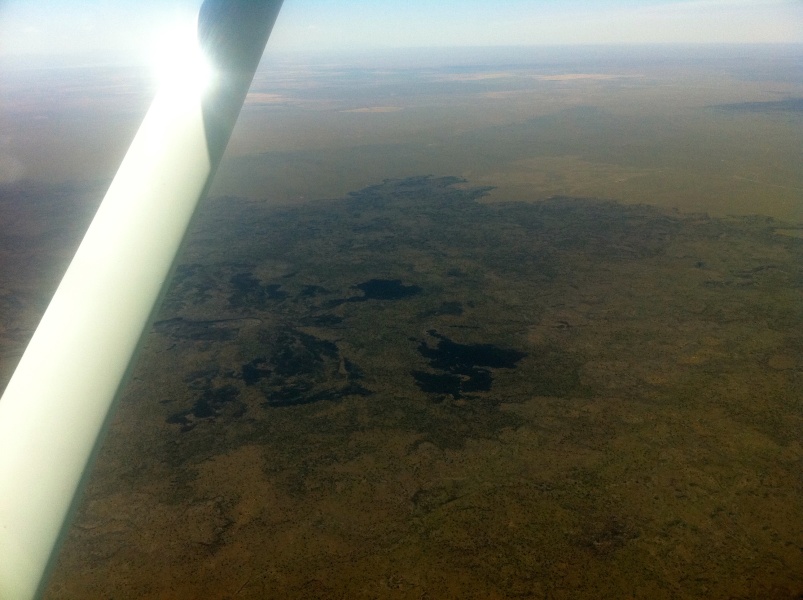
column 126, row 28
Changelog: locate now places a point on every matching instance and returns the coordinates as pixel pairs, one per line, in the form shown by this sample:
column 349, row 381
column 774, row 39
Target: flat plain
column 477, row 324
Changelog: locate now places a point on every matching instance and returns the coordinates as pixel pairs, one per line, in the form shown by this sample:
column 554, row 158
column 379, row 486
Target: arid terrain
column 448, row 326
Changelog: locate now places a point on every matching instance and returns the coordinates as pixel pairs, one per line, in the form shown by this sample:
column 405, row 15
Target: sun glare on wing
column 180, row 64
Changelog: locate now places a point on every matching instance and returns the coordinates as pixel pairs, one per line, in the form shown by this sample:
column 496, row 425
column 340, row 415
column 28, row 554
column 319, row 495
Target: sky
column 127, row 29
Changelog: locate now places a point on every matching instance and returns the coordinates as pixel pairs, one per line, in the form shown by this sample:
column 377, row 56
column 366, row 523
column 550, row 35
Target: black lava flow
column 464, row 368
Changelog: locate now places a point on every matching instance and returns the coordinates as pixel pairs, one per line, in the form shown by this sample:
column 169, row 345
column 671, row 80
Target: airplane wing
column 61, row 396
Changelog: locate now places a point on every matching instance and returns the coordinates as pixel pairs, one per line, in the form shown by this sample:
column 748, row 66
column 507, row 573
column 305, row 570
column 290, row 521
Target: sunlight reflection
column 179, row 63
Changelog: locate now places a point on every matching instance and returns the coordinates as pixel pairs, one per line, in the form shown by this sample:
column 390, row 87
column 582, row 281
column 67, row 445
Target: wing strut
column 59, row 401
